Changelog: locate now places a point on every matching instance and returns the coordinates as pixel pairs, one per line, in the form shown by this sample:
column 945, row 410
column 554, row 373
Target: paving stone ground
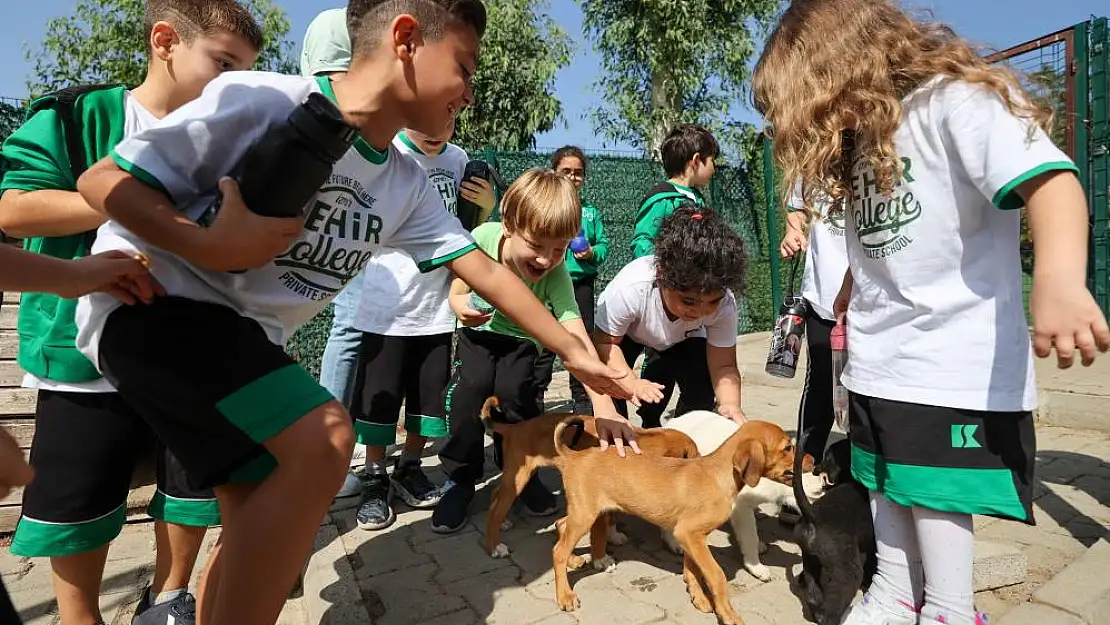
column 408, row 575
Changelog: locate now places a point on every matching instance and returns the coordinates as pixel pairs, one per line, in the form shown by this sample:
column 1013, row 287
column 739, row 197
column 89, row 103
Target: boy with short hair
column 688, row 155
column 205, row 364
column 540, row 214
column 406, row 327
column 88, row 439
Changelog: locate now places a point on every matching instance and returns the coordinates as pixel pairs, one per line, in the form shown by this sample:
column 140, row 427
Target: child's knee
column 320, row 443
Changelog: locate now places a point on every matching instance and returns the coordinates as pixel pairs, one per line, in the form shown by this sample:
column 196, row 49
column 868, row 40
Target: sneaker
column 413, row 486
column 180, row 611
column 373, row 511
column 538, row 501
column 453, row 509
column 352, row 486
column 870, row 611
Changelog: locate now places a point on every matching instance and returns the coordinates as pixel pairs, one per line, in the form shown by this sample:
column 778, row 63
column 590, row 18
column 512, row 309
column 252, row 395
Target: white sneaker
column 871, row 611
column 931, row 616
column 352, row 486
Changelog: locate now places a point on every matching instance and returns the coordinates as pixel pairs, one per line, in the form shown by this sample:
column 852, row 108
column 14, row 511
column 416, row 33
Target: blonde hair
column 543, row 204
column 832, row 65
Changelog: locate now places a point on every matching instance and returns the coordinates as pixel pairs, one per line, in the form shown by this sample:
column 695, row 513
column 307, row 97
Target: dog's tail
column 496, row 418
column 805, row 506
column 561, row 448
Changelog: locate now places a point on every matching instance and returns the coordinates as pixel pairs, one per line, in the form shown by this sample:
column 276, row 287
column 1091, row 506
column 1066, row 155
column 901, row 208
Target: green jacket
column 660, row 201
column 595, row 234
column 37, row 159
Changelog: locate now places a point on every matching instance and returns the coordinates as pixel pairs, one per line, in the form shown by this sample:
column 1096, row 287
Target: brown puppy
column 527, row 445
column 690, row 498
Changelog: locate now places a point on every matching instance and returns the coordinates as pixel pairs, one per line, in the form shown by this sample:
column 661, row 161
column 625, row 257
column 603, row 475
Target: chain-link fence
column 615, row 184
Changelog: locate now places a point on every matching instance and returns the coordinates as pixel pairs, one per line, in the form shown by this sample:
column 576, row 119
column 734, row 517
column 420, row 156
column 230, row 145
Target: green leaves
column 514, row 86
column 103, row 41
column 671, row 61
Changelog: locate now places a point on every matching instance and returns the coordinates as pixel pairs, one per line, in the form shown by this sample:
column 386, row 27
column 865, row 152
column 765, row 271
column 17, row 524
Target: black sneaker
column 538, row 501
column 453, row 509
column 413, row 486
column 180, row 611
column 373, row 511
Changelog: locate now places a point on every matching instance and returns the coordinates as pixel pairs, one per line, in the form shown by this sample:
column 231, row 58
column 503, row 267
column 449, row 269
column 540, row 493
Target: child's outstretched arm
column 1064, row 313
column 610, row 425
column 507, row 293
column 609, row 352
column 118, row 273
column 725, row 375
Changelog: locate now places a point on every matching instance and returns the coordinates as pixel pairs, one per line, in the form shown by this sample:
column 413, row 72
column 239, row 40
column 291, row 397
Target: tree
column 666, row 62
column 1048, row 86
column 514, row 86
column 11, row 116
column 102, row 41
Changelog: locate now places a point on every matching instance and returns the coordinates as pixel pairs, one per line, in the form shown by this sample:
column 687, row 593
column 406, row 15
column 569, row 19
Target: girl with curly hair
column 679, row 304
column 930, row 152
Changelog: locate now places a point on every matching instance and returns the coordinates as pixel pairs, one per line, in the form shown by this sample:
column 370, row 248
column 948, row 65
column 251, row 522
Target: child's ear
column 405, row 36
column 163, row 36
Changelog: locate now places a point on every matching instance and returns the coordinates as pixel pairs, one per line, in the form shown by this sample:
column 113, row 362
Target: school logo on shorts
column 882, row 218
column 963, row 437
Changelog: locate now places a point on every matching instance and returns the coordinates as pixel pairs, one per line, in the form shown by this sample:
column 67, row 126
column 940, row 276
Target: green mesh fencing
column 615, row 184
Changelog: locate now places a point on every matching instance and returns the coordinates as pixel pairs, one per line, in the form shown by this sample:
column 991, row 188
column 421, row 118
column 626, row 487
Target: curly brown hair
column 696, row 250
column 832, row 65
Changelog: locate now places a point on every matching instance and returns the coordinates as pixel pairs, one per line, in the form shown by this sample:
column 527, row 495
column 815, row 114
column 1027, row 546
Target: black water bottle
column 280, row 174
column 786, row 341
column 470, row 214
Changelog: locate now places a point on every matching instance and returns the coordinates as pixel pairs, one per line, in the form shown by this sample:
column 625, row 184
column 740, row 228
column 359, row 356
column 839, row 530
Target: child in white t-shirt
column 679, row 302
column 930, row 152
column 825, row 264
column 406, row 326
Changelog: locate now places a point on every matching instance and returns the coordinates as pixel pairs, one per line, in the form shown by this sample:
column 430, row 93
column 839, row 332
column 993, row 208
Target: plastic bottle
column 280, row 174
column 786, row 342
column 838, row 341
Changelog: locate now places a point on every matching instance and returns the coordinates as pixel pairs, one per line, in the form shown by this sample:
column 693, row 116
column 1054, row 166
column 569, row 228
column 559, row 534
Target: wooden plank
column 17, row 401
column 10, row 298
column 9, row 345
column 11, row 375
column 9, row 516
column 22, row 430
column 8, row 317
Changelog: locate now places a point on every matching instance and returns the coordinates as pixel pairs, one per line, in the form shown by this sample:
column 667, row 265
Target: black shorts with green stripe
column 947, row 459
column 209, row 382
column 85, row 451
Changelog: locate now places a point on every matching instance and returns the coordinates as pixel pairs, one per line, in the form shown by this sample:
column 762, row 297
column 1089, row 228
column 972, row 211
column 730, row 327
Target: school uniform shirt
column 554, row 290
column 594, row 231
column 632, row 306
column 660, row 201
column 37, row 160
column 826, row 259
column 397, row 299
column 372, row 199
column 936, row 316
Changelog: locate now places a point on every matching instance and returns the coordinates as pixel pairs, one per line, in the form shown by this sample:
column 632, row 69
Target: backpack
column 64, row 103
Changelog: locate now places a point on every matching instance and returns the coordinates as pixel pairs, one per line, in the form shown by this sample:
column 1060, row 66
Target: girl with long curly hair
column 930, row 152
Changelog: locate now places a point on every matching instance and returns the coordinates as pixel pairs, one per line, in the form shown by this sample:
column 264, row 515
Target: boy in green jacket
column 87, row 439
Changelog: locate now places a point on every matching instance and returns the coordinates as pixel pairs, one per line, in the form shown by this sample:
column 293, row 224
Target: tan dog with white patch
column 689, row 497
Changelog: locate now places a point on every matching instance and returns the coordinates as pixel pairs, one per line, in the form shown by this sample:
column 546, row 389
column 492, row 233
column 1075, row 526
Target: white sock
column 947, row 540
column 167, row 596
column 898, row 580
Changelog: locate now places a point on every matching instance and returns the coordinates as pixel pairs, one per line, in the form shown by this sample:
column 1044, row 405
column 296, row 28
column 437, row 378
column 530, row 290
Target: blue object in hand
column 580, row 243
column 477, row 302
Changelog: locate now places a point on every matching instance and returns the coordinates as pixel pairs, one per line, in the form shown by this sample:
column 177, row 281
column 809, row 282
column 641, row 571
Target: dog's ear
column 491, row 409
column 749, row 461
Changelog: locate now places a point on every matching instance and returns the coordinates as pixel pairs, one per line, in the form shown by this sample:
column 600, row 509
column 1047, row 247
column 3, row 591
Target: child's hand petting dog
column 648, row 391
column 733, row 412
column 14, row 470
column 616, row 428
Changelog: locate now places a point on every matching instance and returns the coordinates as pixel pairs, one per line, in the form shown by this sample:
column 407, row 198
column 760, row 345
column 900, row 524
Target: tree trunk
column 665, row 111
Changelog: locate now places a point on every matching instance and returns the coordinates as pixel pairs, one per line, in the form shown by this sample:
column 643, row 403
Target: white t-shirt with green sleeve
column 371, row 200
column 936, row 316
column 555, row 290
column 826, row 256
column 397, row 299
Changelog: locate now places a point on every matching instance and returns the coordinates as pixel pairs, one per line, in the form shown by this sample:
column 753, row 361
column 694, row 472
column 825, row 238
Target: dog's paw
column 506, row 525
column 762, row 547
column 759, row 571
column 606, row 564
column 698, row 598
column 576, row 562
column 568, row 602
column 617, row 537
column 500, row 551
